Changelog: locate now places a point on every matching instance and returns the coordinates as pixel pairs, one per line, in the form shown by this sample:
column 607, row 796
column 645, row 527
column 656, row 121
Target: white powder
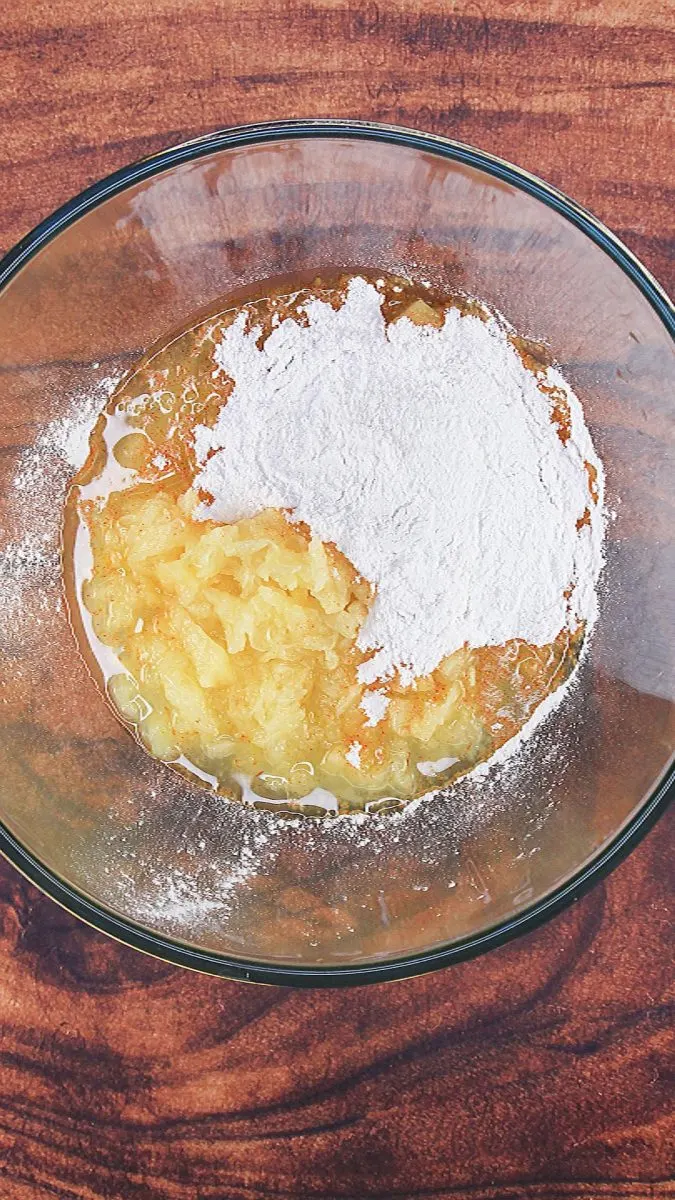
column 353, row 754
column 30, row 562
column 62, row 445
column 28, row 568
column 375, row 705
column 429, row 457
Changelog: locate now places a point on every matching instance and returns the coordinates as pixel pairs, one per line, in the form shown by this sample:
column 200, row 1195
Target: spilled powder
column 30, row 572
column 191, row 866
column 63, row 442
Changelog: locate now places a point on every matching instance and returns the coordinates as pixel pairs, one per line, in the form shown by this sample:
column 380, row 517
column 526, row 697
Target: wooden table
column 538, row 1071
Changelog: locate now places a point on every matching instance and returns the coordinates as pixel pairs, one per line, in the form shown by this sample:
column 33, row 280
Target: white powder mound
column 429, row 458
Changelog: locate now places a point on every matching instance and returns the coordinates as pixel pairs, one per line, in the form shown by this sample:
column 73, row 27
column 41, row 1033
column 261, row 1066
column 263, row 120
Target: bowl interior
column 175, row 859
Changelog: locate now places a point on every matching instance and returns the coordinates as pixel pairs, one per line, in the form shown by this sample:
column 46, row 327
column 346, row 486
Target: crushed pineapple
column 239, row 647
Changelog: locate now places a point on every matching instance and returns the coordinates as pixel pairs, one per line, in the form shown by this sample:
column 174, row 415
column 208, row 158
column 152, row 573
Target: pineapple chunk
column 211, row 662
column 234, row 616
column 421, row 313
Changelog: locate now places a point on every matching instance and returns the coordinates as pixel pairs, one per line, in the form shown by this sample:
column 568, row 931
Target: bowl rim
column 643, row 818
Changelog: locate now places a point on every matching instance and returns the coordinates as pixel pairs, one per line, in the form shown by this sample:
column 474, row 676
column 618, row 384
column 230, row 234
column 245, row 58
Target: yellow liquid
column 234, row 646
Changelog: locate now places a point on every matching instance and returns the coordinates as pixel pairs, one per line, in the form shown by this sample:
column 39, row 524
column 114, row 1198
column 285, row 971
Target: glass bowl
column 170, row 868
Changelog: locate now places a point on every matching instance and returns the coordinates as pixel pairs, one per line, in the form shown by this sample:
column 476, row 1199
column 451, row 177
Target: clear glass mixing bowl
column 170, row 868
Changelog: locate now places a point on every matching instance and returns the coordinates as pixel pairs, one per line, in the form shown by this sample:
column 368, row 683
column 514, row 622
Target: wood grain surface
column 539, row 1071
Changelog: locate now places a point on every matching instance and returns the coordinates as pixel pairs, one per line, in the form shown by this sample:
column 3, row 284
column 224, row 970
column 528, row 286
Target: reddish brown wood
column 538, row 1071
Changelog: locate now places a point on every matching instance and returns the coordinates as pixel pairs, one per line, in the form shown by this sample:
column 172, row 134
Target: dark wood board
column 539, row 1071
